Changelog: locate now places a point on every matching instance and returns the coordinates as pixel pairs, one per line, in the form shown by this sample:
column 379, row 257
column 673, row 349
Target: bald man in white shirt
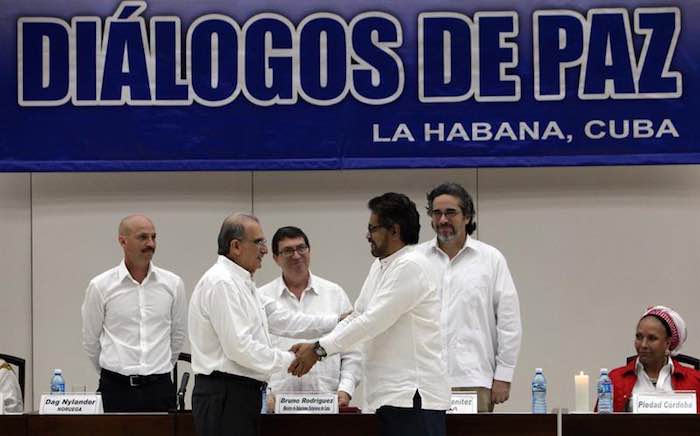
column 134, row 325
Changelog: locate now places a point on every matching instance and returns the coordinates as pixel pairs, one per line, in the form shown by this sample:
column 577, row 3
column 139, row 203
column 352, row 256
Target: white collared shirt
column 134, row 328
column 644, row 383
column 10, row 390
column 338, row 372
column 397, row 314
column 230, row 325
column 480, row 313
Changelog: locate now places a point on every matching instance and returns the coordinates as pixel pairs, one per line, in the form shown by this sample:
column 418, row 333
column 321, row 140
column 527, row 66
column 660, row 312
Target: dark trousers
column 226, row 405
column 415, row 421
column 119, row 396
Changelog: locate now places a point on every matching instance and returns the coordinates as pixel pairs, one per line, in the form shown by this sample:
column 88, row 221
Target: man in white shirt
column 480, row 309
column 300, row 291
column 10, row 392
column 229, row 327
column 134, row 325
column 397, row 315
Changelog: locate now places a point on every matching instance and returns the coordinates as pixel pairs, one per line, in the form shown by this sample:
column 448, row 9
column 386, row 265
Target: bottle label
column 538, row 387
column 604, row 388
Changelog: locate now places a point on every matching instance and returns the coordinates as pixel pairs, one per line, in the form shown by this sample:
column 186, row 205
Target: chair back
column 688, row 360
column 20, row 364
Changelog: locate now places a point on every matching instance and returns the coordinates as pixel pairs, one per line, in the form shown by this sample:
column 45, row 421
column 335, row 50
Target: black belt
column 133, row 380
column 239, row 379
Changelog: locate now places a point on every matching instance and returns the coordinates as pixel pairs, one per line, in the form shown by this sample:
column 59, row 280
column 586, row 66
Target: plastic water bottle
column 539, row 392
column 57, row 383
column 605, row 392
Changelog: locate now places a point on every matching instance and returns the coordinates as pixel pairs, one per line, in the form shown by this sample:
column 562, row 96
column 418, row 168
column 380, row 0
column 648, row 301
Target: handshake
column 307, row 354
column 306, row 358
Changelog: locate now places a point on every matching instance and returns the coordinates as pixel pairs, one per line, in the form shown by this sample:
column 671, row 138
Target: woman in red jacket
column 660, row 334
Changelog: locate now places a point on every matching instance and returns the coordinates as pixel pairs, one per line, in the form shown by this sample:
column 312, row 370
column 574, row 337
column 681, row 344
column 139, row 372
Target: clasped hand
column 305, row 359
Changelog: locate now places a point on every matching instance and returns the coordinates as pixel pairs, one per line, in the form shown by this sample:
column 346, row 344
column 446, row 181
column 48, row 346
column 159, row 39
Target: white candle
column 582, row 392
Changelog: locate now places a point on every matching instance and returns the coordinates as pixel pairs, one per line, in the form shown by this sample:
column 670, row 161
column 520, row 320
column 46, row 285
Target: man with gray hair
column 134, row 325
column 230, row 326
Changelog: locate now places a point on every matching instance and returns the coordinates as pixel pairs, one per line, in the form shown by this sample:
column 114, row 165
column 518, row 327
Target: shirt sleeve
column 12, row 395
column 290, row 324
column 93, row 314
column 235, row 329
column 178, row 329
column 403, row 287
column 508, row 326
column 350, row 361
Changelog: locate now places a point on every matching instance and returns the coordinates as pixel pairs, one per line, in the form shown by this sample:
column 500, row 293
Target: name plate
column 305, row 403
column 71, row 404
column 669, row 402
column 463, row 403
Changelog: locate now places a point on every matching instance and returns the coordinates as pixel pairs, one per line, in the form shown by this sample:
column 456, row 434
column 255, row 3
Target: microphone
column 182, row 390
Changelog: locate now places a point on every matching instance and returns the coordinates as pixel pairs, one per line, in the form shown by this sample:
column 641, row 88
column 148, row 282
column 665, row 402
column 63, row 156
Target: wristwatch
column 320, row 351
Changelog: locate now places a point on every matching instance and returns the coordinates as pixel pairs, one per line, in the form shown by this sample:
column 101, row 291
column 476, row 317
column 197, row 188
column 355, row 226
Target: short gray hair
column 233, row 228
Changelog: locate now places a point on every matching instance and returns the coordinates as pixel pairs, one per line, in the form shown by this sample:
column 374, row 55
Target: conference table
column 180, row 424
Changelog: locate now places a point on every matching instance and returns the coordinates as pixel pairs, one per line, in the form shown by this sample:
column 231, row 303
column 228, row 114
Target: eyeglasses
column 302, row 249
column 447, row 213
column 261, row 243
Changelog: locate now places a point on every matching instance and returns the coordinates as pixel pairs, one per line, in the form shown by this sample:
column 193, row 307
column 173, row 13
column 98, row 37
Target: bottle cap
column 538, row 369
column 604, row 370
column 57, row 371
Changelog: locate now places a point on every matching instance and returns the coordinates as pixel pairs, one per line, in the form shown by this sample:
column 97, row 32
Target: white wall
column 589, row 249
column 16, row 270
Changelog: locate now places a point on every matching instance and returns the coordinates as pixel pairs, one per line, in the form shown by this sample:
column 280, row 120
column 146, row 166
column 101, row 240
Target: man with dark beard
column 134, row 325
column 396, row 317
column 480, row 316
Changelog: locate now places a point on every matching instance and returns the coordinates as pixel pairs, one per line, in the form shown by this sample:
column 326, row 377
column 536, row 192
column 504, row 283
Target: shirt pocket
column 465, row 311
column 158, row 304
column 467, row 298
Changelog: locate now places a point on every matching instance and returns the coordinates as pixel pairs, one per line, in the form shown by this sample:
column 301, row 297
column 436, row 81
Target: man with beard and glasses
column 397, row 318
column 480, row 309
column 134, row 325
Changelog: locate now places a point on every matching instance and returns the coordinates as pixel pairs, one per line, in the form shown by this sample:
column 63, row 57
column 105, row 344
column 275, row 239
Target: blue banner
column 310, row 84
